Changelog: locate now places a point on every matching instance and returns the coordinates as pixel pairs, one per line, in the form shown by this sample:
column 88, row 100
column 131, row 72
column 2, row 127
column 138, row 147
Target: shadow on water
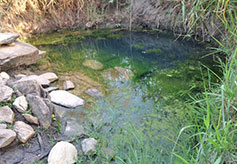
column 145, row 111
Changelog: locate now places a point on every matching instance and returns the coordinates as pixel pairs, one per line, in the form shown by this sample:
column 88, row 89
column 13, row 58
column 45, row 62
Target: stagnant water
column 141, row 111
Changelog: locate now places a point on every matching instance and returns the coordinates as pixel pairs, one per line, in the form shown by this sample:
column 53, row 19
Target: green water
column 145, row 112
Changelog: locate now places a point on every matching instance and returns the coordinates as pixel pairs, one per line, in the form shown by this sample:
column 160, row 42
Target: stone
column 68, row 85
column 66, row 99
column 5, row 93
column 8, row 38
column 93, row 64
column 17, row 55
column 41, row 81
column 3, row 126
column 4, row 76
column 50, row 89
column 117, row 74
column 93, row 92
column 62, row 153
column 19, row 76
column 7, row 136
column 73, row 128
column 31, row 119
column 89, row 145
column 28, row 87
column 24, row 131
column 6, row 114
column 50, row 76
column 41, row 109
column 20, row 104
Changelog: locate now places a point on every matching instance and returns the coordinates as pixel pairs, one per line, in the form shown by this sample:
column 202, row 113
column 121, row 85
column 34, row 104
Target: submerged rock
column 73, row 128
column 5, row 93
column 6, row 114
column 89, row 145
column 68, row 85
column 93, row 92
column 8, row 38
column 7, row 136
column 18, row 54
column 93, row 64
column 117, row 74
column 62, row 153
column 66, row 99
column 20, row 104
column 42, row 109
column 24, row 131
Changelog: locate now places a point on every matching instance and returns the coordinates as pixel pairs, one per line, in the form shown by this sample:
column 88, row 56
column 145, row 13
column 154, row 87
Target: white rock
column 19, row 76
column 3, row 126
column 68, row 85
column 42, row 81
column 62, row 153
column 4, row 76
column 66, row 99
column 8, row 38
column 20, row 104
column 6, row 137
column 24, row 131
column 6, row 114
column 50, row 76
column 89, row 145
column 31, row 119
column 5, row 93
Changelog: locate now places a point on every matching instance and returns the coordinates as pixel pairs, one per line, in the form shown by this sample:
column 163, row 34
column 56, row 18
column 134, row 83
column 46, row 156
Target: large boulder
column 18, row 54
column 66, row 99
column 42, row 109
column 6, row 114
column 62, row 153
column 8, row 38
column 24, row 131
column 6, row 137
column 5, row 93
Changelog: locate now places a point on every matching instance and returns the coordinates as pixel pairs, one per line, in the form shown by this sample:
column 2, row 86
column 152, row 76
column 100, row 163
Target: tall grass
column 213, row 113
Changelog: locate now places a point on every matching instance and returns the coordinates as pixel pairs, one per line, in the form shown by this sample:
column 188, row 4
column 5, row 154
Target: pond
column 145, row 79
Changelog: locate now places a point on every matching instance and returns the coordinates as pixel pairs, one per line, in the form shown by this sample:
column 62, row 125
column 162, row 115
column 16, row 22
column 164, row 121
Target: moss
column 156, row 51
column 139, row 46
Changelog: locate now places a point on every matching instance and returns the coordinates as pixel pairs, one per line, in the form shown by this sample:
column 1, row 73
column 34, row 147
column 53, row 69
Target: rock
column 6, row 137
column 93, row 92
column 68, row 85
column 24, row 131
column 5, row 93
column 19, row 54
column 41, row 109
column 3, row 126
column 66, row 99
column 89, row 145
column 4, row 76
column 6, row 114
column 50, row 89
column 8, row 38
column 117, row 74
column 109, row 153
column 28, row 87
column 20, row 104
column 41, row 81
column 19, row 76
column 50, row 76
column 73, row 128
column 62, row 153
column 93, row 64
column 31, row 119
